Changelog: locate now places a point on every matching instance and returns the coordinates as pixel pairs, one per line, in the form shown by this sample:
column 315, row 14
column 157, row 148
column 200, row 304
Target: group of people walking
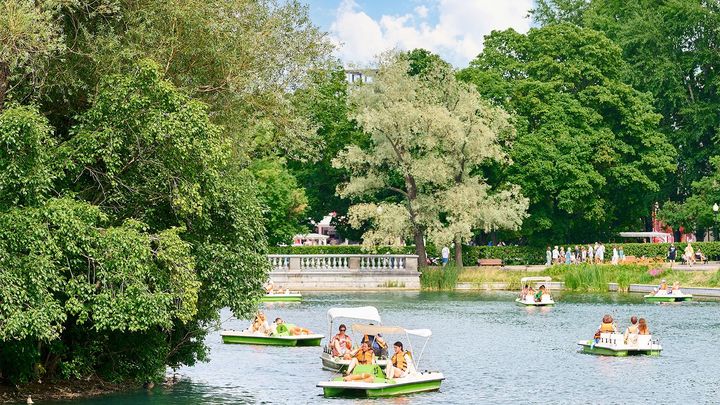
column 689, row 255
column 582, row 254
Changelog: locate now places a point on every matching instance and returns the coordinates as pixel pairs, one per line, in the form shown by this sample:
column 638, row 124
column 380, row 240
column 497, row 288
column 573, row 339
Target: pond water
column 489, row 349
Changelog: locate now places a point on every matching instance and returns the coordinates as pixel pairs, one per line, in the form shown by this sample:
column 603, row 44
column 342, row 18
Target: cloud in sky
column 456, row 34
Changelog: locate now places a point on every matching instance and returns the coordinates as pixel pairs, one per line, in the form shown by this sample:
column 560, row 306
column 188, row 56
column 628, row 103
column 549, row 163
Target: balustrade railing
column 343, row 262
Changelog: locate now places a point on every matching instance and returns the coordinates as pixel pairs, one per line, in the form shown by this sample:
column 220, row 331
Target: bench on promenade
column 490, row 262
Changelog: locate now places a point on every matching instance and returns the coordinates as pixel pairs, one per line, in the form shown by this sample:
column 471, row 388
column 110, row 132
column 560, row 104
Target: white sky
column 454, row 29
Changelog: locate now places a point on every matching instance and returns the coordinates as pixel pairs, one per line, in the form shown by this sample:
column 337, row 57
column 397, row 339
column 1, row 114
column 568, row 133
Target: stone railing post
column 294, row 264
column 411, row 263
column 353, row 263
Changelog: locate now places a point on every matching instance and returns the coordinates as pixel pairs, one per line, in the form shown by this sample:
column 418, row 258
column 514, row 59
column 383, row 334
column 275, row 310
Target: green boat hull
column 667, row 299
column 387, row 391
column 604, row 351
column 270, row 341
column 281, row 298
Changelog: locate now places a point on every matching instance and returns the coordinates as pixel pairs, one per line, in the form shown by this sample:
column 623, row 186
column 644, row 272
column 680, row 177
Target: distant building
column 324, row 233
column 360, row 75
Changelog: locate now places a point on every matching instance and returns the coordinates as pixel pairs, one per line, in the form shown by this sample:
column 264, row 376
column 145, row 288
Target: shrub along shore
column 580, row 278
column 511, row 255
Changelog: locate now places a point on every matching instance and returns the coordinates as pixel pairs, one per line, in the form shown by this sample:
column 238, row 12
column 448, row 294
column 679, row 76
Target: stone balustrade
column 342, row 263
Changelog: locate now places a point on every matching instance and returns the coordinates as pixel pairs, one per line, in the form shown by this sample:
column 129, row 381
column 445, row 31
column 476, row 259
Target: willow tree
column 430, row 135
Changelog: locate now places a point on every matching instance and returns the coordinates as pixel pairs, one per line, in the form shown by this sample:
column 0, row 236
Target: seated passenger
column 400, row 364
column 676, row 288
column 607, row 326
column 260, row 325
column 662, row 288
column 642, row 327
column 293, row 330
column 524, row 292
column 632, row 331
column 362, row 355
column 530, row 295
column 377, row 343
column 542, row 294
column 341, row 343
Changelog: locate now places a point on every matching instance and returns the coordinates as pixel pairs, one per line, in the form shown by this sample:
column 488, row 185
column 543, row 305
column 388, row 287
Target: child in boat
column 631, row 332
column 400, row 364
column 260, row 325
column 642, row 327
column 606, row 326
column 662, row 288
column 362, row 355
column 341, row 343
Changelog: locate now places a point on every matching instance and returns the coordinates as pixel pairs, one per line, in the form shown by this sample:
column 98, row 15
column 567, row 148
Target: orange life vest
column 398, row 361
column 364, row 357
column 606, row 327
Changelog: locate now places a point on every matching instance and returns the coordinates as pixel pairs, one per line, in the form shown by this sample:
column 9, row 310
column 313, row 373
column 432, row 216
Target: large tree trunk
column 419, row 236
column 458, row 252
column 4, row 79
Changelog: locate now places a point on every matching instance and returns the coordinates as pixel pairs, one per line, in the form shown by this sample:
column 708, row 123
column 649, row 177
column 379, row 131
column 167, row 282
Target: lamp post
column 715, row 211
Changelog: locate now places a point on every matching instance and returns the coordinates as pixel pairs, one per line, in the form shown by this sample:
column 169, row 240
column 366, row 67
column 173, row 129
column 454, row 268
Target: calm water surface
column 490, row 350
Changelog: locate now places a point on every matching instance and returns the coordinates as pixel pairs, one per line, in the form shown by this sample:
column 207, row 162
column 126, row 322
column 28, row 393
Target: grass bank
column 582, row 278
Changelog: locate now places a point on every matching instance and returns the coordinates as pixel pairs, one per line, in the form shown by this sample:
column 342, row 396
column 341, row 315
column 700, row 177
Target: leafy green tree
column 429, row 132
column 284, row 201
column 588, row 152
column 325, row 102
column 670, row 50
column 159, row 228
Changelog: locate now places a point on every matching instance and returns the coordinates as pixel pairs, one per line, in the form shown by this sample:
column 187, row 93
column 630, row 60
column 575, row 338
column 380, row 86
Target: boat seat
column 644, row 340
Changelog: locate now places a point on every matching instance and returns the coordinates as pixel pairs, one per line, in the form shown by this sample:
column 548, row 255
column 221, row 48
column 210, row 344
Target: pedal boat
column 369, row 314
column 282, row 297
column 530, row 301
column 282, row 338
column 613, row 344
column 675, row 297
column 381, row 386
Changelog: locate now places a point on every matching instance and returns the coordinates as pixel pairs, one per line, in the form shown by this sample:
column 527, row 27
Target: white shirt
column 445, row 252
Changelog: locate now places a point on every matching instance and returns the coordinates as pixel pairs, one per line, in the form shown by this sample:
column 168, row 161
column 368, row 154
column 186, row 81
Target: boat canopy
column 379, row 329
column 541, row 279
column 366, row 313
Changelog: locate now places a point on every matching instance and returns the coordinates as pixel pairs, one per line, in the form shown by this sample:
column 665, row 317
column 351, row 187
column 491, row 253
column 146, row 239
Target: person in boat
column 542, row 292
column 524, row 292
column 269, row 287
column 676, row 288
column 400, row 364
column 631, row 333
column 662, row 288
column 377, row 343
column 260, row 325
column 642, row 327
column 362, row 355
column 606, row 326
column 341, row 343
column 292, row 330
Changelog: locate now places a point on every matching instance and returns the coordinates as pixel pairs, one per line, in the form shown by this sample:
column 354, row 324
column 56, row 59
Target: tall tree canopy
column 429, row 136
column 132, row 137
column 588, row 152
column 671, row 52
